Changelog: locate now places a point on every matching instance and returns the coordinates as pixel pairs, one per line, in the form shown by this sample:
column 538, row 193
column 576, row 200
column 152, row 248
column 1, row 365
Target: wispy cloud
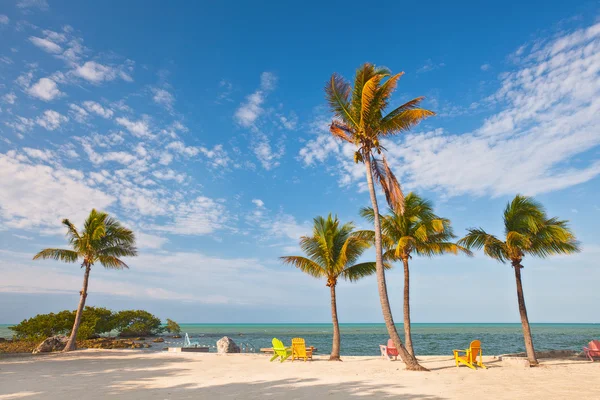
column 430, row 66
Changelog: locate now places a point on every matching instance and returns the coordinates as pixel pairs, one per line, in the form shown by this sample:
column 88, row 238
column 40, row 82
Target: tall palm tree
column 332, row 251
column 359, row 119
column 527, row 231
column 418, row 230
column 102, row 240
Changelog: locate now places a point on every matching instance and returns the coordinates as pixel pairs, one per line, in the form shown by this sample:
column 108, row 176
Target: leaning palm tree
column 359, row 119
column 418, row 230
column 332, row 252
column 528, row 231
column 102, row 240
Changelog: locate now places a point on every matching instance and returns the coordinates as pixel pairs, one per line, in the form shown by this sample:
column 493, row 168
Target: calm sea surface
column 363, row 339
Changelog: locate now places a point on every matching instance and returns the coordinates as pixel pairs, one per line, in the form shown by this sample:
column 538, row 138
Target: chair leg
column 274, row 357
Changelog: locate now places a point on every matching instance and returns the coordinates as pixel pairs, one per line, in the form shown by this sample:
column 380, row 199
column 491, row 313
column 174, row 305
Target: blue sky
column 204, row 129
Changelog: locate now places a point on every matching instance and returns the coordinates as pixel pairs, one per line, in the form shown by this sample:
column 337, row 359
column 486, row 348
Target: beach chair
column 280, row 350
column 470, row 357
column 299, row 350
column 592, row 350
column 389, row 351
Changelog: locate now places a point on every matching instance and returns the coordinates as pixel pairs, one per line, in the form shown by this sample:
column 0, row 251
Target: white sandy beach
column 99, row 374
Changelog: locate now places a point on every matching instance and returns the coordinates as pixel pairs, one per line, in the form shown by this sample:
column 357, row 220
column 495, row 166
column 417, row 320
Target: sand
column 123, row 374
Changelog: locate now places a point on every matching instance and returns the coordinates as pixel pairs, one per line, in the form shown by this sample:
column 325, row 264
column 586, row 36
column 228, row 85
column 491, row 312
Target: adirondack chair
column 299, row 350
column 470, row 357
column 592, row 350
column 389, row 351
column 280, row 350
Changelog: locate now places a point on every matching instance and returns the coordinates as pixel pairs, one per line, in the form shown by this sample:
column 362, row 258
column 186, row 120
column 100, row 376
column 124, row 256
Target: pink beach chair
column 592, row 350
column 389, row 351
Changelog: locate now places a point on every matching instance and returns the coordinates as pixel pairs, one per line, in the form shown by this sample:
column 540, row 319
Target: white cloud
column 96, row 108
column 169, row 175
column 430, row 66
column 78, row 113
column 121, row 157
column 201, row 216
column 249, row 111
column 485, row 67
column 97, row 73
column 22, row 237
column 33, row 195
column 51, row 120
column 46, row 45
column 267, row 155
column 21, row 124
column 26, row 4
column 9, row 98
column 45, row 89
column 44, row 155
column 551, row 114
column 258, row 203
column 216, row 157
column 4, row 19
column 163, row 98
column 147, row 241
column 140, row 128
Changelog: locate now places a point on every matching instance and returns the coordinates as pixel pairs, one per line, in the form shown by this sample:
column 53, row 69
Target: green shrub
column 95, row 321
column 173, row 327
column 131, row 323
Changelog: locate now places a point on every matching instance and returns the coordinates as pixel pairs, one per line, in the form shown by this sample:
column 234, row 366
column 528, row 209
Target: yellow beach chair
column 299, row 350
column 280, row 350
column 470, row 357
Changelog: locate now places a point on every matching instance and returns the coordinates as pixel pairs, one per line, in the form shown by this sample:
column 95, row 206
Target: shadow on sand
column 112, row 375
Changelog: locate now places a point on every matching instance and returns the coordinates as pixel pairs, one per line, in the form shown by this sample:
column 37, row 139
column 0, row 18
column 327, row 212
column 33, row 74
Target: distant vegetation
column 95, row 321
column 173, row 327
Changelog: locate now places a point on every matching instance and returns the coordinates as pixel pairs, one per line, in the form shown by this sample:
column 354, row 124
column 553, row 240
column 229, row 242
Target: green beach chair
column 280, row 350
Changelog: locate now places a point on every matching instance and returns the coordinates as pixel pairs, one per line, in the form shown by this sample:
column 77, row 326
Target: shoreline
column 133, row 374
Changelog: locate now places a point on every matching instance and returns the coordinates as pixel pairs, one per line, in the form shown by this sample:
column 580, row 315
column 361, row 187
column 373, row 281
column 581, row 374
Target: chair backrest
column 299, row 347
column 594, row 345
column 474, row 350
column 391, row 348
column 278, row 346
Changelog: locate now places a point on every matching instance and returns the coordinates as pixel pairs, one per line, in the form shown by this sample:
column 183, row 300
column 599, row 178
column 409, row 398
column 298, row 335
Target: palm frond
column 361, row 270
column 403, row 121
column 492, row 246
column 369, row 93
column 111, row 262
column 389, row 184
column 341, row 130
column 337, row 92
column 305, row 265
column 68, row 256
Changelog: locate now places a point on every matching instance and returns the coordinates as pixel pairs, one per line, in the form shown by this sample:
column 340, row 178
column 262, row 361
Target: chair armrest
column 460, row 351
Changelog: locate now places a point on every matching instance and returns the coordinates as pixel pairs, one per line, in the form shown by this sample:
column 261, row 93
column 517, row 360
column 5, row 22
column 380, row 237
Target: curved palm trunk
column 72, row 343
column 409, row 360
column 524, row 320
column 407, row 334
column 335, row 348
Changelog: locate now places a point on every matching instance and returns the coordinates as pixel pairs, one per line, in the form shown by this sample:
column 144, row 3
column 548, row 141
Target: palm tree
column 417, row 230
column 332, row 251
column 102, row 240
column 528, row 231
column 359, row 119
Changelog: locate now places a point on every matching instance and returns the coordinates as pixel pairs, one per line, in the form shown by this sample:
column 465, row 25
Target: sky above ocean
column 204, row 128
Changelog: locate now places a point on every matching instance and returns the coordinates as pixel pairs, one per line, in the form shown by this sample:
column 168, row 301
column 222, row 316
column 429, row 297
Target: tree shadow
column 101, row 375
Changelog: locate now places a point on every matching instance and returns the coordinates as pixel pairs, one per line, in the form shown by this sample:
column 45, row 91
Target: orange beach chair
column 592, row 350
column 389, row 351
column 470, row 356
column 299, row 349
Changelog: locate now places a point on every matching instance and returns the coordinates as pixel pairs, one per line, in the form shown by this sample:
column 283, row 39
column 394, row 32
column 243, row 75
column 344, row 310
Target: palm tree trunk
column 407, row 334
column 72, row 343
column 524, row 320
column 409, row 360
column 335, row 348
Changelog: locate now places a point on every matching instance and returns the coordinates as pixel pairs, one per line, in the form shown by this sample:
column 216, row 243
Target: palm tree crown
column 418, row 230
column 332, row 252
column 102, row 240
column 359, row 118
column 527, row 231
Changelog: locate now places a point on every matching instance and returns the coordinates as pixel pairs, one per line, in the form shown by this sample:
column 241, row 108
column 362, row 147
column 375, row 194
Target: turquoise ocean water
column 363, row 339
